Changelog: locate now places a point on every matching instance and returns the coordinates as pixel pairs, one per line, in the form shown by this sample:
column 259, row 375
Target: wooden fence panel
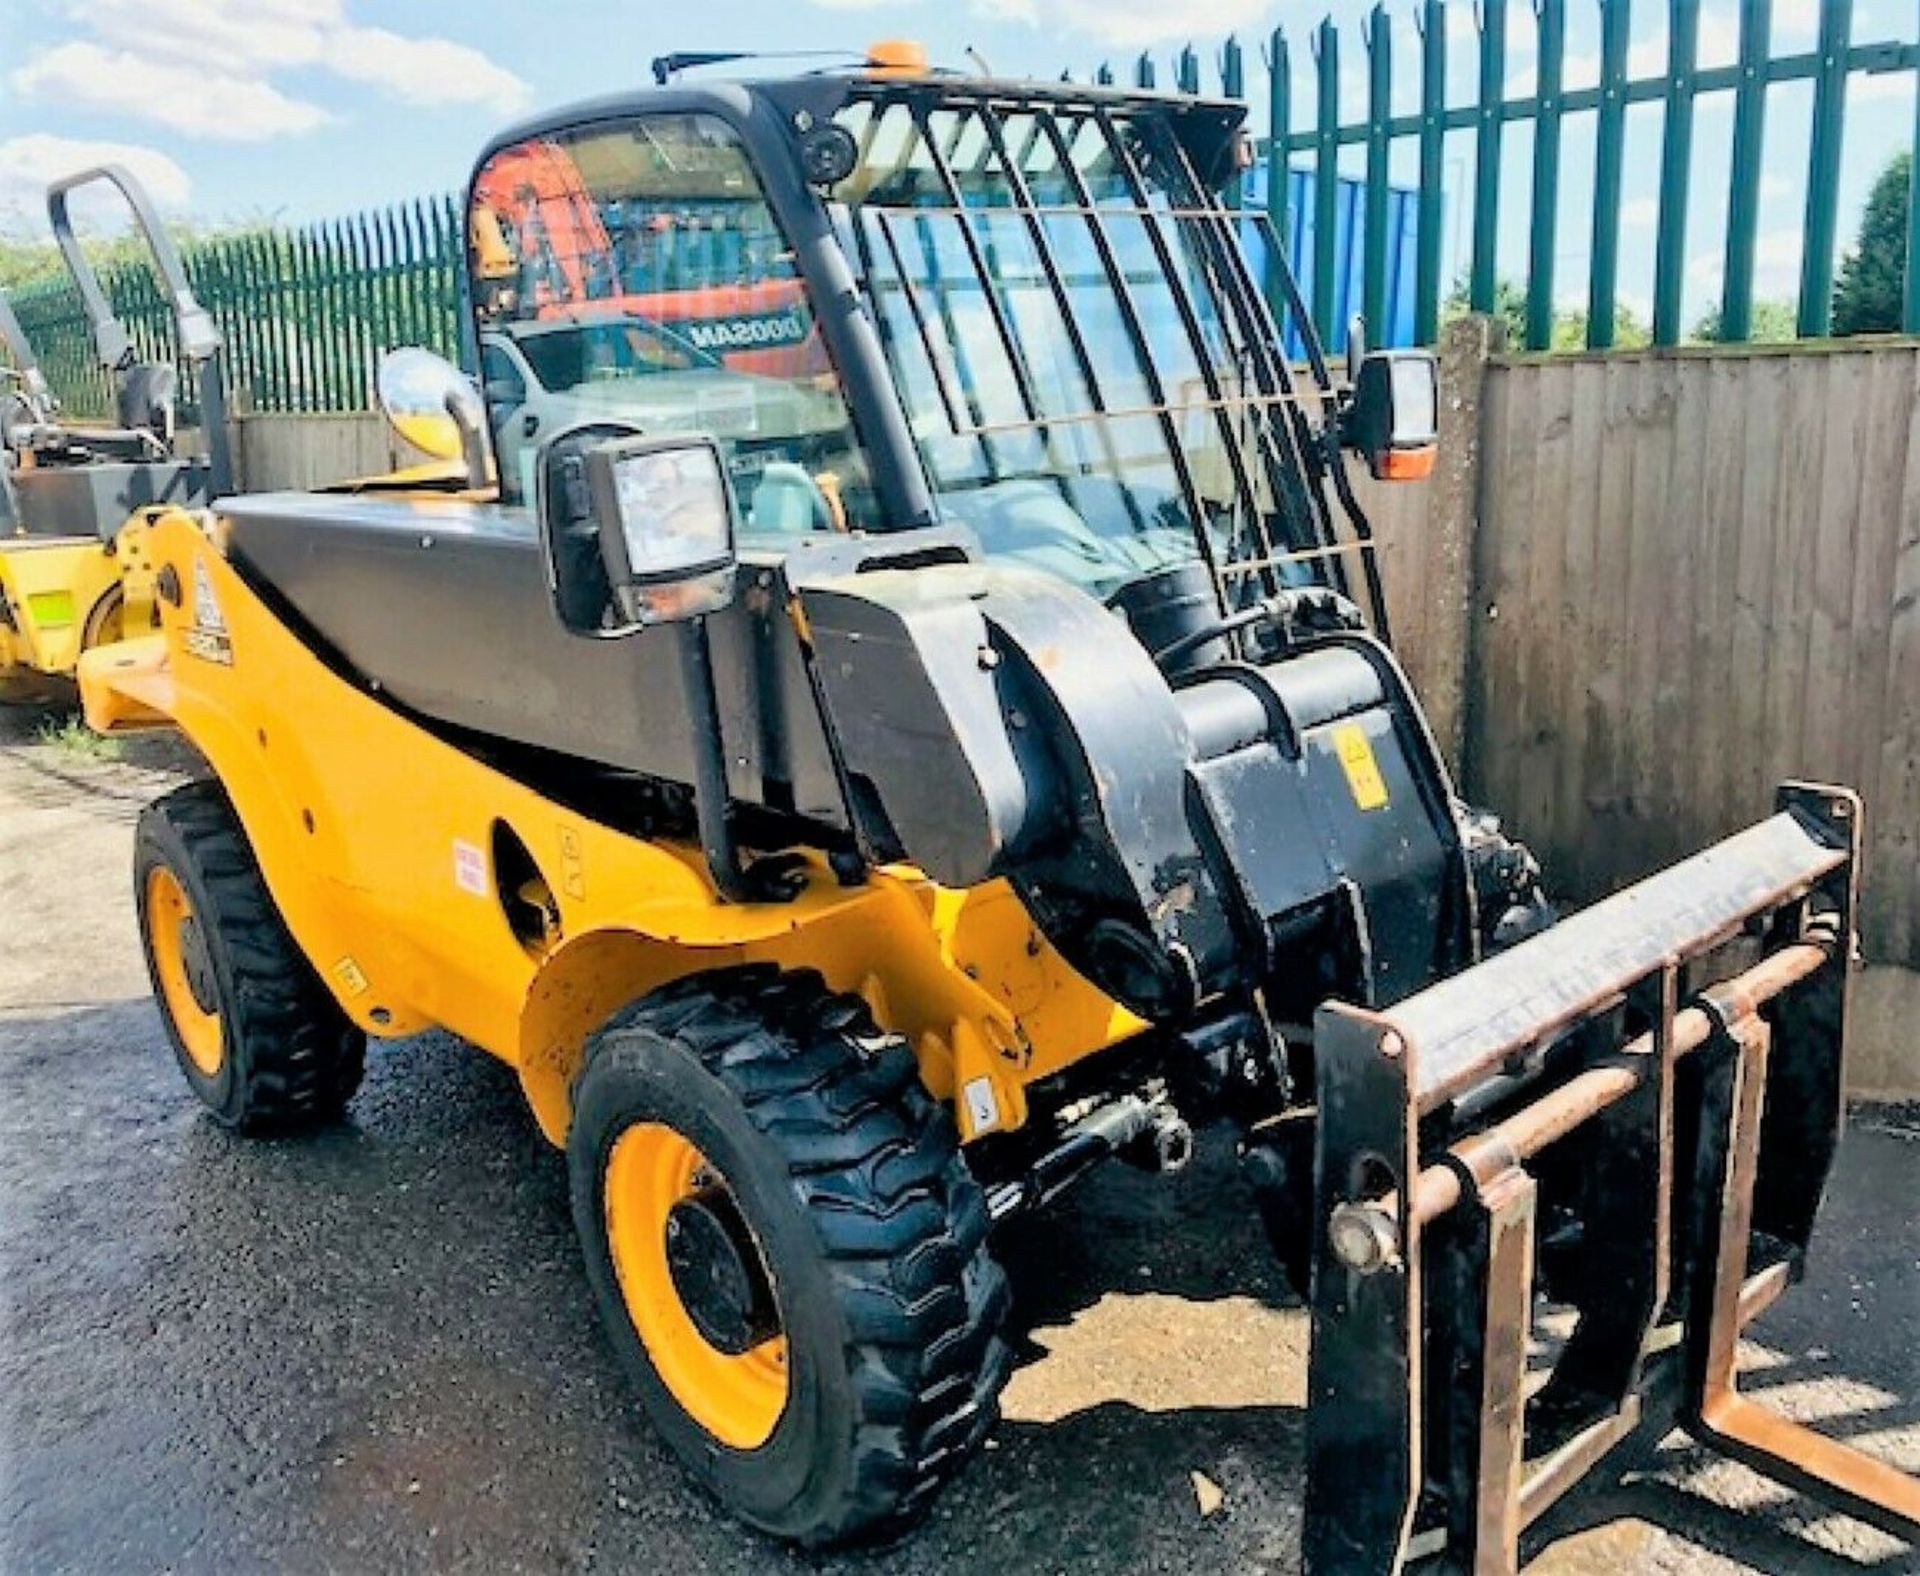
column 1698, row 574
column 276, row 452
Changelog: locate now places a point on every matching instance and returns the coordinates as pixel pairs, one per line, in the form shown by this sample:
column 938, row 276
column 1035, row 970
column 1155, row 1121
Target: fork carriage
column 1681, row 1134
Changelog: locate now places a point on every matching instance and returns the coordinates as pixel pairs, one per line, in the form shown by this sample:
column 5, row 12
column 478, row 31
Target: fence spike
column 1910, row 312
column 1616, row 22
column 1433, row 131
column 1279, row 167
column 1483, row 285
column 1377, row 36
column 1743, row 198
column 1551, row 30
column 1823, row 169
column 1232, row 65
column 1233, row 85
column 1326, row 184
column 1676, row 169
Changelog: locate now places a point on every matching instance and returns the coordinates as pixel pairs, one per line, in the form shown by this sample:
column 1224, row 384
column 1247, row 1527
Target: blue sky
column 298, row 109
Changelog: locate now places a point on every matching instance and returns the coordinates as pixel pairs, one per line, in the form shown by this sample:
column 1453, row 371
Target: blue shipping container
column 1403, row 216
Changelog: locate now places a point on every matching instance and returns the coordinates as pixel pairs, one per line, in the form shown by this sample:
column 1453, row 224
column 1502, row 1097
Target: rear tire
column 259, row 1037
column 810, row 1126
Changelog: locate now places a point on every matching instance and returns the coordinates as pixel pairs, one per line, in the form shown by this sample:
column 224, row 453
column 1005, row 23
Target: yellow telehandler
column 76, row 499
column 861, row 790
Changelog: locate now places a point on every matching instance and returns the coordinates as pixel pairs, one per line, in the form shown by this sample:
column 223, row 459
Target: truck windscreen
column 632, row 272
column 1089, row 370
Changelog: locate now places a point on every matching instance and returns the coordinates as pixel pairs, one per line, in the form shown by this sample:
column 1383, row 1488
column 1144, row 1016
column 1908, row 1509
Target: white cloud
column 1132, row 24
column 195, row 102
column 1640, row 213
column 28, row 164
column 1776, row 265
column 240, row 37
column 422, row 70
column 204, row 68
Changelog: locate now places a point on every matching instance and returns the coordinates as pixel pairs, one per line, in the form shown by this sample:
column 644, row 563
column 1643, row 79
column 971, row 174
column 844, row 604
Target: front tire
column 258, row 1035
column 787, row 1251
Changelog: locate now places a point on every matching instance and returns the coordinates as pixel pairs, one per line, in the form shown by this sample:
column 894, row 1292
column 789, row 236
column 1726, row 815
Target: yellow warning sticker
column 352, row 980
column 1351, row 744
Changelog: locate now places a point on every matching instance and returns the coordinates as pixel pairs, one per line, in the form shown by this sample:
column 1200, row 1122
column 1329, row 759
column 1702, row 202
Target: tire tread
column 875, row 1162
column 296, row 1057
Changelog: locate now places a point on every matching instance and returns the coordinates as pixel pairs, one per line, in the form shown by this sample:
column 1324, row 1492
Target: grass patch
column 71, row 736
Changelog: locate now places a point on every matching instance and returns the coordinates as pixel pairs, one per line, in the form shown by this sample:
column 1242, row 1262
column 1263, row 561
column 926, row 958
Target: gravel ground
column 372, row 1349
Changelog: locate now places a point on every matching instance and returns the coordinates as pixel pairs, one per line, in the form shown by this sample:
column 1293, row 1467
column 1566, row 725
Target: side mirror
column 638, row 530
column 428, row 401
column 1392, row 420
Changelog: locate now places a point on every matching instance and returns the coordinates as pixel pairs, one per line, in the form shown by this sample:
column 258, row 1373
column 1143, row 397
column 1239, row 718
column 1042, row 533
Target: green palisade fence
column 306, row 314
column 1835, row 60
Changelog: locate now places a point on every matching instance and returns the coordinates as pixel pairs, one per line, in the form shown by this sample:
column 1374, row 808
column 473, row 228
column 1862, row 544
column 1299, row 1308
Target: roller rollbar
column 1679, row 1138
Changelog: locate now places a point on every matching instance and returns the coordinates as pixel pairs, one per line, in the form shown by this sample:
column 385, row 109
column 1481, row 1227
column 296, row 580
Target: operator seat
column 15, row 417
column 148, row 399
column 9, row 502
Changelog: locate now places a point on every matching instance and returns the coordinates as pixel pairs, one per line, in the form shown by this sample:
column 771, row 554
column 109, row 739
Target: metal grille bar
column 1266, row 513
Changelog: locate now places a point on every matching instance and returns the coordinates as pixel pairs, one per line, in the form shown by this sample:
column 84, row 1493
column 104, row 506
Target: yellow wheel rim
column 181, row 966
column 737, row 1398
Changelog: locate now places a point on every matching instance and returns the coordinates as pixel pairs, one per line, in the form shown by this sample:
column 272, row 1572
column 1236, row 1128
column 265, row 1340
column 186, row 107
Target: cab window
column 505, row 388
column 637, row 271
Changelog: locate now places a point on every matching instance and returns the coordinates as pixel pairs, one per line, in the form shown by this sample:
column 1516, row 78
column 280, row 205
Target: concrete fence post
column 1453, row 521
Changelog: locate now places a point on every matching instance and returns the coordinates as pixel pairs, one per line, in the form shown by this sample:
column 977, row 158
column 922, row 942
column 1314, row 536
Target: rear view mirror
column 1393, row 418
column 429, row 403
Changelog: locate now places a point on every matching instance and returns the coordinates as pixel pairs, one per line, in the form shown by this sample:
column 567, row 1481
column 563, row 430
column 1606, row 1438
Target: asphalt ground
column 372, row 1349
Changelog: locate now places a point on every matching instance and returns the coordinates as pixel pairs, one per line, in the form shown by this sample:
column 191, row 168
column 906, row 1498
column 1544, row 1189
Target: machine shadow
column 1195, row 1236
column 1764, row 1534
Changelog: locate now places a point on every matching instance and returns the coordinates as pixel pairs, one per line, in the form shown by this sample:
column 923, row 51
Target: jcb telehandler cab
column 855, row 815
column 75, row 498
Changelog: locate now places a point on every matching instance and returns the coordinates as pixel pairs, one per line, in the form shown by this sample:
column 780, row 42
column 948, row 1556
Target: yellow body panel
column 378, row 842
column 61, row 592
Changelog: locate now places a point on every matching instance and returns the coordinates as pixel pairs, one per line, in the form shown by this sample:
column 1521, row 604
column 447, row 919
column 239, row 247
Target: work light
column 665, row 513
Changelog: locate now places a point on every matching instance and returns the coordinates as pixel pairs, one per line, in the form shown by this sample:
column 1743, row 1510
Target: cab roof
column 770, row 105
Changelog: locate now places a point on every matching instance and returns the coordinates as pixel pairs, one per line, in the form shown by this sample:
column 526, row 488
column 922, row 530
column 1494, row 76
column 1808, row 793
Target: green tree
column 1509, row 305
column 1629, row 332
column 1866, row 298
column 1569, row 324
column 23, row 262
column 26, row 260
column 1774, row 323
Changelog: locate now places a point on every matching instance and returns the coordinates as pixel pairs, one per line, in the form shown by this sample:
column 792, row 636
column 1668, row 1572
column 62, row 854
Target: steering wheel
column 790, row 500
column 1031, row 515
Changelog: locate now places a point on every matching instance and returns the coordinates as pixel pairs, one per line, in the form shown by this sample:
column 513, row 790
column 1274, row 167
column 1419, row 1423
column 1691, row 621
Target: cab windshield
column 1089, row 374
column 636, row 271
column 1088, row 370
